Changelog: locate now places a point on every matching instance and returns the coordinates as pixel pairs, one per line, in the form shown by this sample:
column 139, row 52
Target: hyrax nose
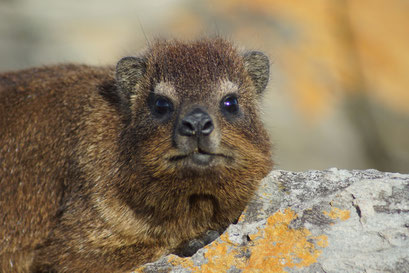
column 196, row 123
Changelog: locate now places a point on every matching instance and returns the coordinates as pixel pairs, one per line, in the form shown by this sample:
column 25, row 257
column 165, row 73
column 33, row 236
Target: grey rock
column 341, row 221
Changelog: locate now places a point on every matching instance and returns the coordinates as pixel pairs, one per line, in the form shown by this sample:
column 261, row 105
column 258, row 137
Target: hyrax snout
column 103, row 169
column 195, row 137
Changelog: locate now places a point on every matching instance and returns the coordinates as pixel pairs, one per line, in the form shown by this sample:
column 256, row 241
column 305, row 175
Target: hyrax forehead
column 196, row 68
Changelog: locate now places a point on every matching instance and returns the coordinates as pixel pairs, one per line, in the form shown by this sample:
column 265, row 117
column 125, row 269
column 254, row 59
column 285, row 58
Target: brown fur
column 86, row 183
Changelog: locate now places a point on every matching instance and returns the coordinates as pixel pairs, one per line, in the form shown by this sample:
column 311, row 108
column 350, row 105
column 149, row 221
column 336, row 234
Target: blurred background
column 338, row 95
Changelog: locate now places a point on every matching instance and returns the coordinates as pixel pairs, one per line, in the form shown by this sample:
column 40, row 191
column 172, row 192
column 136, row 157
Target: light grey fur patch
column 227, row 87
column 166, row 89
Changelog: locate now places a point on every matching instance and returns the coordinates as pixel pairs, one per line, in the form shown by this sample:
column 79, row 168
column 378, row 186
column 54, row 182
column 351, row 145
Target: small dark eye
column 230, row 104
column 162, row 106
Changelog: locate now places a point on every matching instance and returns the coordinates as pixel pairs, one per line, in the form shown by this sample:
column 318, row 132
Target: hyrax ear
column 129, row 71
column 258, row 67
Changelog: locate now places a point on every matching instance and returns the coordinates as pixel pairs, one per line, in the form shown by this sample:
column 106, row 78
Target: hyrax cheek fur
column 105, row 169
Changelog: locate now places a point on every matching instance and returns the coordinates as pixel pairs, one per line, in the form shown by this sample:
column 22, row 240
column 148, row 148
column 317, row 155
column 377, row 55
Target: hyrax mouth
column 199, row 157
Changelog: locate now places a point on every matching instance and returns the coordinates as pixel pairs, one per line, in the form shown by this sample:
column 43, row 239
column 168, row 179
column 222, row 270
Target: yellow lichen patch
column 337, row 213
column 183, row 262
column 274, row 247
column 241, row 218
column 278, row 246
column 220, row 257
column 321, row 241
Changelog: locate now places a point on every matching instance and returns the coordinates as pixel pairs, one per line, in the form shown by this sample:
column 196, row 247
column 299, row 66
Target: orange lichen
column 336, row 213
column 221, row 257
column 241, row 218
column 273, row 248
column 321, row 241
column 184, row 262
column 279, row 246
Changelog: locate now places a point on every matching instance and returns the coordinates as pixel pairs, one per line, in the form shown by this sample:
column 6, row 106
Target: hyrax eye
column 162, row 106
column 230, row 104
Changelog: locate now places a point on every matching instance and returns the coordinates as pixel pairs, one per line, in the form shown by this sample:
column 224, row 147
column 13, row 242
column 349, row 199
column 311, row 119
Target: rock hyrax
column 103, row 169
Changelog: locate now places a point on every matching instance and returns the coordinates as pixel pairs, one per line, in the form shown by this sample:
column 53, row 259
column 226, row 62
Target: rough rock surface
column 315, row 221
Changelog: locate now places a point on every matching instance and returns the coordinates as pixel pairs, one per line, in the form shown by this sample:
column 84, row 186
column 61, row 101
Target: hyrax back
column 102, row 170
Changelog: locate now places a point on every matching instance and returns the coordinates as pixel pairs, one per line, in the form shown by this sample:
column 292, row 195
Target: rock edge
column 314, row 221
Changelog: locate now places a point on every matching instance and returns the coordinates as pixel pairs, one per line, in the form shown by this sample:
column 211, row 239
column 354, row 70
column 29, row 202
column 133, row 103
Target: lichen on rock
column 315, row 221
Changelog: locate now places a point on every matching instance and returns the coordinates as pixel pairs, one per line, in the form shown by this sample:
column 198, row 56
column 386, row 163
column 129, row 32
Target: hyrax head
column 194, row 108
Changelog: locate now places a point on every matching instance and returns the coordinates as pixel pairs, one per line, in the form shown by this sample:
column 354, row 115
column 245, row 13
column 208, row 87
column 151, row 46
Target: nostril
column 187, row 128
column 207, row 127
